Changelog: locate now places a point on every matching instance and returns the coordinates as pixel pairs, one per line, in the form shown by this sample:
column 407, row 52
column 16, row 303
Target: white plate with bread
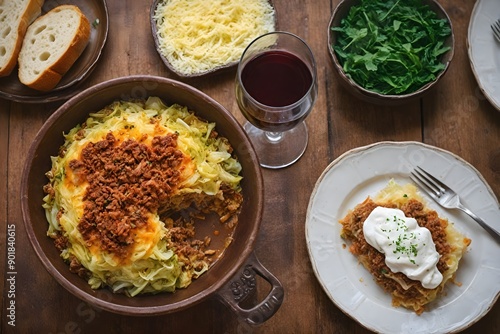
column 49, row 47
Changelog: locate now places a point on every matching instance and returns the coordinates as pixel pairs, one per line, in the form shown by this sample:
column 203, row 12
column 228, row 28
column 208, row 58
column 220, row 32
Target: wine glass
column 276, row 88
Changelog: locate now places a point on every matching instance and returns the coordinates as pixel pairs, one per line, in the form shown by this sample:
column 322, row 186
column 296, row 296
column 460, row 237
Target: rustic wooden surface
column 455, row 117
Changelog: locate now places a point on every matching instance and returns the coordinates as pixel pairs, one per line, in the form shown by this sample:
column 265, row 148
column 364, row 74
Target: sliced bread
column 15, row 17
column 51, row 46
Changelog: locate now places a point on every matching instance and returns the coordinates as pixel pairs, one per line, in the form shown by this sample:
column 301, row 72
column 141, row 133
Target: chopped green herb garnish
column 405, row 242
column 392, row 46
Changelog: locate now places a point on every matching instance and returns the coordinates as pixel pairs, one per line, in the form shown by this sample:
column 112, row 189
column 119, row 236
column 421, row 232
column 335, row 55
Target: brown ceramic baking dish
column 224, row 279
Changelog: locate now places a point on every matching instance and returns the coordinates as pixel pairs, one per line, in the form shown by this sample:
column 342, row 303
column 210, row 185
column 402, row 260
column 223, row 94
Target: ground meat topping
column 359, row 246
column 127, row 181
column 430, row 220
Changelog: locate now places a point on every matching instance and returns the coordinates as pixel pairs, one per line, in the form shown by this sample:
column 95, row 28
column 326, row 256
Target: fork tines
column 496, row 29
column 422, row 177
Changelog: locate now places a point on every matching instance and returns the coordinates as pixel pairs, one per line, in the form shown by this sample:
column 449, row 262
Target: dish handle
column 243, row 284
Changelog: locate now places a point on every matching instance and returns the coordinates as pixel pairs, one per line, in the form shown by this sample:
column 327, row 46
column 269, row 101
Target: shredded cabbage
column 153, row 266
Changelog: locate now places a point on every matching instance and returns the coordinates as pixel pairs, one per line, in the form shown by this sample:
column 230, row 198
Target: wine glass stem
column 274, row 137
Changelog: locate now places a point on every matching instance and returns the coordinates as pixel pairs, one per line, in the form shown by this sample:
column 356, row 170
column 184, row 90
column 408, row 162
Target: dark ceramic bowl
column 238, row 258
column 96, row 12
column 167, row 63
column 341, row 12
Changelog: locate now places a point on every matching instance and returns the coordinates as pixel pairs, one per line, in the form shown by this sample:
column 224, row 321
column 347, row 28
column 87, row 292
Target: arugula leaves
column 391, row 47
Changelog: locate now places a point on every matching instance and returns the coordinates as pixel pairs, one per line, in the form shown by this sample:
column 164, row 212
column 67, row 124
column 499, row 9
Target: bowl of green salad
column 390, row 51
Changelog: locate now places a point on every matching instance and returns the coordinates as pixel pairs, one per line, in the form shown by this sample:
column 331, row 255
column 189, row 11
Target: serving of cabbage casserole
column 127, row 190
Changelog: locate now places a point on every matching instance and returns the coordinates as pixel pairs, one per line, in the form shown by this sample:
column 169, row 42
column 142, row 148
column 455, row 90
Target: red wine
column 276, row 78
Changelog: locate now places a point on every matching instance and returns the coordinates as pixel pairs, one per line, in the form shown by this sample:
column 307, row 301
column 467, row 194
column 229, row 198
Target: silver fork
column 496, row 29
column 446, row 197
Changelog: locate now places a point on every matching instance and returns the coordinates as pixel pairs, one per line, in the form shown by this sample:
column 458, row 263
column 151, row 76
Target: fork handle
column 481, row 222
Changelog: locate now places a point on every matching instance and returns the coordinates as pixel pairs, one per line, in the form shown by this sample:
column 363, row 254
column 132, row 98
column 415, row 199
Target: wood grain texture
column 4, row 154
column 455, row 117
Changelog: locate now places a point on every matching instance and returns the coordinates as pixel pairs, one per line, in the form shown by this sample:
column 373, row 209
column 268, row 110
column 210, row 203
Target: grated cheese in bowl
column 199, row 36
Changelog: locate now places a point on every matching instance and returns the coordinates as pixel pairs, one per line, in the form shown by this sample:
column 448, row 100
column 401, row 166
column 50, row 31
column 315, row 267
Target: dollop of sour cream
column 408, row 248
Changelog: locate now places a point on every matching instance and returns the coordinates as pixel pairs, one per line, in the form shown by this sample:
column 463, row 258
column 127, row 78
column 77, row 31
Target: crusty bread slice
column 51, row 46
column 15, row 17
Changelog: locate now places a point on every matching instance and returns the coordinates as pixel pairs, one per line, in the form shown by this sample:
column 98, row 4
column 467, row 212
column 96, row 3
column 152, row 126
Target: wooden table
column 455, row 117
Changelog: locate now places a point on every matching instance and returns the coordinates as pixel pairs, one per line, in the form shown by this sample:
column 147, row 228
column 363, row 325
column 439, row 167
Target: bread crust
column 31, row 12
column 50, row 76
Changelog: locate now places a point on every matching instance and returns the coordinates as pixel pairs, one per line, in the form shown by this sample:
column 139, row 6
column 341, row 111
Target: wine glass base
column 278, row 153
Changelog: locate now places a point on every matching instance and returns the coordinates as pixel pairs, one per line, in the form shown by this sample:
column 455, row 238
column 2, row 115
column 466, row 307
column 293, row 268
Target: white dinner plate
column 363, row 172
column 484, row 50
